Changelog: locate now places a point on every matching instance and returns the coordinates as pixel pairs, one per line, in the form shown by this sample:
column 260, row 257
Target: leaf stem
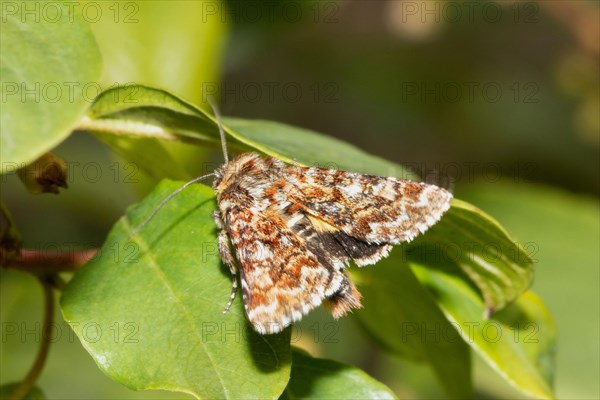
column 126, row 128
column 130, row 128
column 4, row 211
column 36, row 369
column 10, row 238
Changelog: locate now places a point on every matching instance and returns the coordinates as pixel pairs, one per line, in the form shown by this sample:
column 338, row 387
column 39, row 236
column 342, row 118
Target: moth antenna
column 221, row 130
column 165, row 201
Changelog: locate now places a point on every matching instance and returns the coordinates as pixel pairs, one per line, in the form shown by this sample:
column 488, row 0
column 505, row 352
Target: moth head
column 234, row 170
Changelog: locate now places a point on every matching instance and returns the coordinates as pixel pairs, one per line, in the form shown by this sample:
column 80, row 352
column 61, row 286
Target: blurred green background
column 499, row 101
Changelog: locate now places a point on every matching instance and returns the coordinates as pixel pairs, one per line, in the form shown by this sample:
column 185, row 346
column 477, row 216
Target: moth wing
column 281, row 279
column 376, row 210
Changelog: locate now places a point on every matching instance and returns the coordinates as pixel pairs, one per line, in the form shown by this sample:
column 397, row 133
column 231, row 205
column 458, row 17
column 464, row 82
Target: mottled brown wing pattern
column 281, row 278
column 295, row 229
column 374, row 209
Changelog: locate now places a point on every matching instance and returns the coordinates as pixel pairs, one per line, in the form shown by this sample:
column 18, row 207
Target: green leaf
column 315, row 378
column 468, row 237
column 49, row 69
column 468, row 242
column 34, row 394
column 135, row 107
column 533, row 326
column 465, row 241
column 296, row 144
column 403, row 316
column 561, row 231
column 149, row 308
column 518, row 343
column 145, row 153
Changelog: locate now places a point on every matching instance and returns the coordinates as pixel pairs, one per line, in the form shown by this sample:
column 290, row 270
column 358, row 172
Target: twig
column 36, row 369
column 46, row 262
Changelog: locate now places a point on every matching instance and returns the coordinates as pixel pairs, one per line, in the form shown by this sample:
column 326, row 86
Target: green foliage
column 314, row 378
column 148, row 308
column 484, row 251
column 565, row 250
column 414, row 326
column 49, row 72
column 511, row 344
column 177, row 338
column 34, row 394
column 133, row 104
column 144, row 32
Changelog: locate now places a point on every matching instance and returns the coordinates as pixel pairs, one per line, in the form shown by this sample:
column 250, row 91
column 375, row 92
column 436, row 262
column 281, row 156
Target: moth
column 289, row 232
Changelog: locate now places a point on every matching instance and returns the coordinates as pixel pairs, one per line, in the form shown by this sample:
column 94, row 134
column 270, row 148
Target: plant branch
column 45, row 262
column 36, row 369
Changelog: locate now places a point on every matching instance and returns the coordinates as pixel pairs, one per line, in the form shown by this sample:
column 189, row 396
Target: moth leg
column 227, row 258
